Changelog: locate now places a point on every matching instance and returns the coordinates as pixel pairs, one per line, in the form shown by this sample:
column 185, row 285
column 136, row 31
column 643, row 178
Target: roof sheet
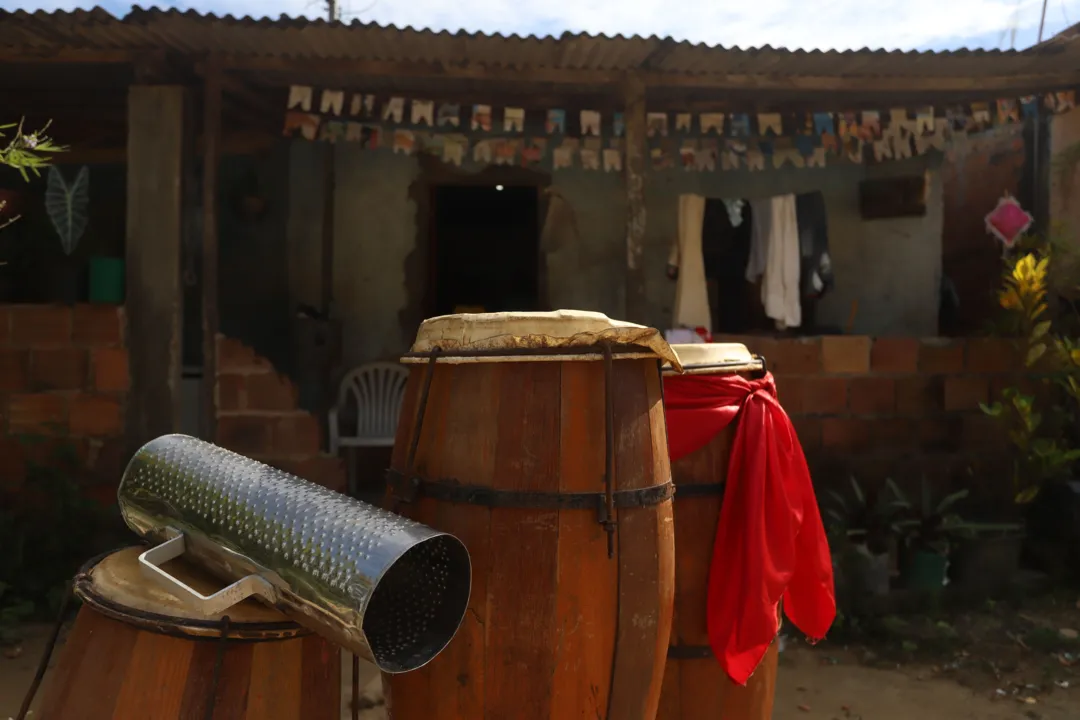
column 188, row 32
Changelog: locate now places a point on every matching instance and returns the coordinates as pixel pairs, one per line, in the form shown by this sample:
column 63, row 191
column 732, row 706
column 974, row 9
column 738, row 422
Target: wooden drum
column 538, row 439
column 695, row 686
column 137, row 653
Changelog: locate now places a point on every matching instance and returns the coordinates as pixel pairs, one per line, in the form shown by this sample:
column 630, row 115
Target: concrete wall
column 890, row 267
column 1065, row 182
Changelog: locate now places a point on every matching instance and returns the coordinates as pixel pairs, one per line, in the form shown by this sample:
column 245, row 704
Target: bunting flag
column 707, row 142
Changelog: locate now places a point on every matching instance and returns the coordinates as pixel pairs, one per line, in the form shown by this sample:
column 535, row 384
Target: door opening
column 485, row 248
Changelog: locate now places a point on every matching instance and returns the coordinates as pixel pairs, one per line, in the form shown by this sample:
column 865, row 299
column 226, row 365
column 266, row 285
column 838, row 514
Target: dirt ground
column 1002, row 663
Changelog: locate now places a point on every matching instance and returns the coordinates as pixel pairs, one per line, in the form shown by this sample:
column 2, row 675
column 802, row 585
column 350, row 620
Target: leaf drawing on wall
column 68, row 206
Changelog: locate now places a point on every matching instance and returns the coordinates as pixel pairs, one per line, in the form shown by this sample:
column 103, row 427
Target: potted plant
column 864, row 523
column 68, row 207
column 927, row 536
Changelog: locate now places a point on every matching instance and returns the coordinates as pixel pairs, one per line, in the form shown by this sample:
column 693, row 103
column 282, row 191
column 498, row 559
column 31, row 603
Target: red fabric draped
column 770, row 543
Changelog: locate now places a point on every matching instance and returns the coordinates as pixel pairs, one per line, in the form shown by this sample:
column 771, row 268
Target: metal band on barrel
column 690, row 652
column 408, row 489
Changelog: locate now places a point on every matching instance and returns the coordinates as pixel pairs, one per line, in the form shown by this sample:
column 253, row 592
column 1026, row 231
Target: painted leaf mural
column 68, row 206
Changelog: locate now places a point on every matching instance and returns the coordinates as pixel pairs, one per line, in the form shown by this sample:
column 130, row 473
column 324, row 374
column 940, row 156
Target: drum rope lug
column 607, row 514
column 219, row 662
column 402, row 494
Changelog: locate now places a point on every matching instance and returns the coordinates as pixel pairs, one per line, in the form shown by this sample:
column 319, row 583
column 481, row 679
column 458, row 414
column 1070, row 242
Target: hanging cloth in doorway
column 775, row 258
column 560, row 248
column 770, row 544
column 691, row 293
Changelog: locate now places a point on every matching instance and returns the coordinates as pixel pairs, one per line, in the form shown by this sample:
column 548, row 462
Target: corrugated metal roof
column 191, row 33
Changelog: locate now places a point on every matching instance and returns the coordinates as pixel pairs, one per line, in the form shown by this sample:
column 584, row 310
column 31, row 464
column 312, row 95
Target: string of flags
column 592, row 140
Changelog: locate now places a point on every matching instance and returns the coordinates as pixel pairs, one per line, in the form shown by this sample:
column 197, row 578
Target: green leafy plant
column 48, row 529
column 866, row 517
column 68, row 206
column 931, row 524
column 1043, row 452
column 26, row 152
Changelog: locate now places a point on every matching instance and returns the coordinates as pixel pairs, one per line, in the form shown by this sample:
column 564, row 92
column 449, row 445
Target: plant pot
column 985, row 565
column 65, row 282
column 926, row 571
column 873, row 571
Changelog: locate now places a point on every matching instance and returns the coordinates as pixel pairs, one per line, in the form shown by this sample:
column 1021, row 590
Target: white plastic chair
column 378, row 391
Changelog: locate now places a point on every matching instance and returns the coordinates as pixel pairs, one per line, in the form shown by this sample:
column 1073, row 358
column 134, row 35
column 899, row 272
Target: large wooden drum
column 539, row 439
column 137, row 653
column 695, row 686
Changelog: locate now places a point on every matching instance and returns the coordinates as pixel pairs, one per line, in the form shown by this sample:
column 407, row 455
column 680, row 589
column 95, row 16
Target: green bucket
column 107, row 280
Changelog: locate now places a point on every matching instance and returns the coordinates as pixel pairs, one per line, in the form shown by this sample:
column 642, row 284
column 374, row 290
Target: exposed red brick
column 96, row 416
column 37, row 413
column 940, row 435
column 111, row 372
column 941, row 357
column 895, row 355
column 894, row 433
column 844, row 434
column 12, row 465
column 982, row 431
column 324, row 470
column 992, row 355
column 920, row 396
column 795, row 356
column 965, row 392
column 270, row 391
column 231, row 392
column 845, row 354
column 872, row 396
column 40, row 325
column 13, row 376
column 297, row 434
column 824, row 395
column 809, row 431
column 58, row 369
column 106, row 459
column 789, row 391
column 98, row 325
column 5, row 326
column 248, row 435
column 233, row 355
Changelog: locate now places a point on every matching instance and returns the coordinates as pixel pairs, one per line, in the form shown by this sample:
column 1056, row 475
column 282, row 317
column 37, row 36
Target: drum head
column 116, row 586
column 715, row 359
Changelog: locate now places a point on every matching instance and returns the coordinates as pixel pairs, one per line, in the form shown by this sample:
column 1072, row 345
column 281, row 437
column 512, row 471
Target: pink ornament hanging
column 1008, row 221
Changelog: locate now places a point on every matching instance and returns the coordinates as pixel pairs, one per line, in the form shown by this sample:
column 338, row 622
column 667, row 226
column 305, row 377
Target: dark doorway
column 485, row 249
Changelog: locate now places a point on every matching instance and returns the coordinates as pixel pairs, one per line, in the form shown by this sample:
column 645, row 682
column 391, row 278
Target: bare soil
column 1002, row 663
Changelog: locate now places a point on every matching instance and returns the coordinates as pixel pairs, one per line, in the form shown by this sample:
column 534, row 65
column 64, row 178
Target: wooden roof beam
column 612, row 80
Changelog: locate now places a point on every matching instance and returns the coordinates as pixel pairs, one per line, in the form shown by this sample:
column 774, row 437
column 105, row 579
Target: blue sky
column 825, row 24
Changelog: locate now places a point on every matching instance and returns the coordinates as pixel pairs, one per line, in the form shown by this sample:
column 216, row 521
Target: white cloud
column 825, row 24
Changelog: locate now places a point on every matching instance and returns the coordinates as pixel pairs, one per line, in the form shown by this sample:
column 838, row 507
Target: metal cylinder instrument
column 386, row 588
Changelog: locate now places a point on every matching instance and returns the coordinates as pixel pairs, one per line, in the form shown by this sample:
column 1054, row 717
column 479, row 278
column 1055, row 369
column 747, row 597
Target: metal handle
column 208, row 605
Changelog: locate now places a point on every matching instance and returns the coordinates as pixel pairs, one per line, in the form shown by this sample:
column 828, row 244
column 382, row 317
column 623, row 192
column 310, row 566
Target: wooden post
column 211, row 160
column 154, row 306
column 636, row 150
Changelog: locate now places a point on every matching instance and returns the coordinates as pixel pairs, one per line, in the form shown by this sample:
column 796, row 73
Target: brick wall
column 894, row 407
column 258, row 416
column 63, row 375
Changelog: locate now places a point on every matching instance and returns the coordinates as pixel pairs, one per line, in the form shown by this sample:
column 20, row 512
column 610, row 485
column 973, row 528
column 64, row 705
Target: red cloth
column 770, row 542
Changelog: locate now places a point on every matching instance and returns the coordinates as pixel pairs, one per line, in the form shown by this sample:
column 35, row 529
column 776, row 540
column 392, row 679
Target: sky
column 824, row 24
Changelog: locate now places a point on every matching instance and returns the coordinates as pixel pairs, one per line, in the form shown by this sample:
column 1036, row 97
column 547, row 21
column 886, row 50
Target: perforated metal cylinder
column 387, row 588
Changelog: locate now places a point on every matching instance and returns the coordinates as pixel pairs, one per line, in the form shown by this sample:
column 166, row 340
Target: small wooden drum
column 137, row 653
column 695, row 686
column 539, row 440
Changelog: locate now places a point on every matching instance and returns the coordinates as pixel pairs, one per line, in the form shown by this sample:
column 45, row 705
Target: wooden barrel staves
column 136, row 652
column 695, row 685
column 539, row 439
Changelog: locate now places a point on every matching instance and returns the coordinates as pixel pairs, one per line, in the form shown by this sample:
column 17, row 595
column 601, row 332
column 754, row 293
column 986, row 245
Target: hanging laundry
column 780, row 279
column 761, row 211
column 817, row 276
column 691, row 293
column 734, row 211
